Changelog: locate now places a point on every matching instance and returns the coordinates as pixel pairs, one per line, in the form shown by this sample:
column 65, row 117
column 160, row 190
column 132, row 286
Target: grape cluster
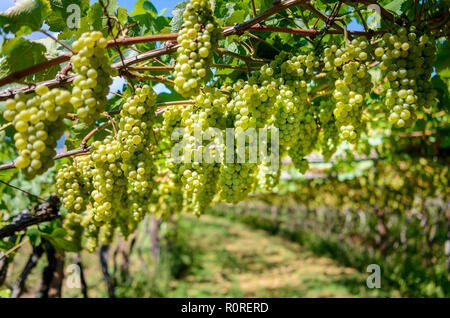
column 252, row 104
column 407, row 61
column 91, row 84
column 136, row 137
column 112, row 187
column 199, row 173
column 168, row 198
column 329, row 134
column 198, row 36
column 72, row 224
column 109, row 181
column 199, row 180
column 39, row 123
column 292, row 102
column 269, row 170
column 351, row 86
column 172, row 118
column 73, row 184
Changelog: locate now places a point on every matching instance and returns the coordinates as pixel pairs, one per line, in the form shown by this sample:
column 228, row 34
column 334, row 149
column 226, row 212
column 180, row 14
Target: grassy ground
column 237, row 261
column 225, row 259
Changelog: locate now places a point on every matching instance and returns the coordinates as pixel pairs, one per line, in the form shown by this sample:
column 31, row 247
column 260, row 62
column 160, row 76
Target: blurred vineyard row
column 394, row 215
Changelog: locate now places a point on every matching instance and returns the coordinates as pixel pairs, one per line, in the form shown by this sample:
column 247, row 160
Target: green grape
column 107, row 231
column 110, row 187
column 91, row 85
column 168, row 199
column 252, row 104
column 73, row 186
column 199, row 176
column 407, row 63
column 136, row 136
column 329, row 138
column 269, row 170
column 39, row 122
column 91, row 231
column 352, row 84
column 72, row 224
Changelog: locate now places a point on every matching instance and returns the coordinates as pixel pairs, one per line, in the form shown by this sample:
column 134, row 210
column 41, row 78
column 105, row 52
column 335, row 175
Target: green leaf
column 443, row 56
column 396, row 6
column 25, row 16
column 168, row 97
column 80, row 130
column 19, row 54
column 442, row 86
column 263, row 4
column 177, row 20
column 5, row 293
column 6, row 245
column 142, row 7
column 122, row 15
column 236, row 17
column 34, row 235
column 58, row 241
column 375, row 73
column 96, row 17
column 148, row 6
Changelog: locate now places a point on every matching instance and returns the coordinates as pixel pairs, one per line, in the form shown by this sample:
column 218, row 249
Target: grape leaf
column 58, row 241
column 96, row 17
column 24, row 17
column 443, row 56
column 122, row 15
column 34, row 235
column 236, row 17
column 177, row 20
column 396, row 6
column 263, row 4
column 80, row 130
column 19, row 54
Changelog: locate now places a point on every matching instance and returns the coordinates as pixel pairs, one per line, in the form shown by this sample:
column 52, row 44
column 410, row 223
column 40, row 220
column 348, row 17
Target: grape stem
column 5, row 126
column 222, row 52
column 154, row 78
column 111, row 120
column 24, row 191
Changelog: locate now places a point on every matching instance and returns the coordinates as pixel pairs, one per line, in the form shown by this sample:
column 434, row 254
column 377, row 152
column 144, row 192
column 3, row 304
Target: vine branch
column 46, row 211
